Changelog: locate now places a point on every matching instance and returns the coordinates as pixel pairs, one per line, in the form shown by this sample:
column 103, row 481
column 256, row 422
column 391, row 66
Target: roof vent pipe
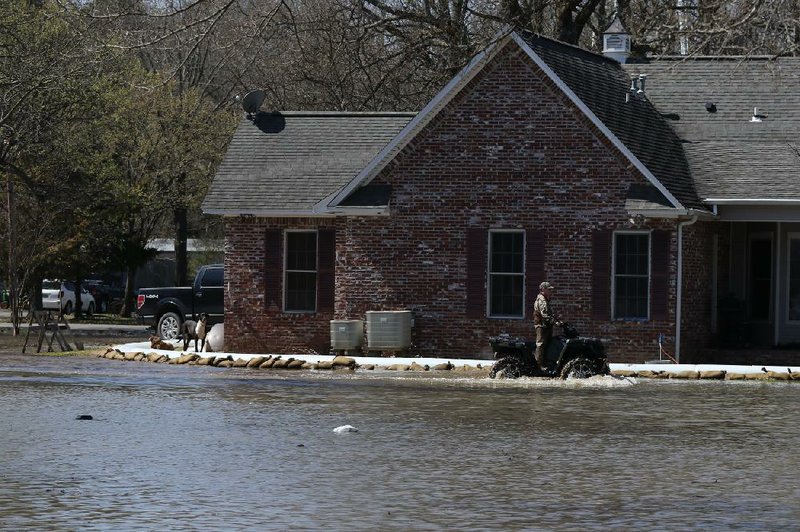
column 637, row 88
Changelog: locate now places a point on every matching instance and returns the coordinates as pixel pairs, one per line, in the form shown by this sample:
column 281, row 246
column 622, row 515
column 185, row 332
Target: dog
column 157, row 343
column 194, row 330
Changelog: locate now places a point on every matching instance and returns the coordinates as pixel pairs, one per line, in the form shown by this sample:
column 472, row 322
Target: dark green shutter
column 476, row 273
column 601, row 275
column 659, row 276
column 273, row 268
column 534, row 267
column 326, row 265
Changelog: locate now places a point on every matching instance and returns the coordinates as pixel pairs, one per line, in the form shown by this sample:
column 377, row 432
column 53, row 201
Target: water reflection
column 204, row 448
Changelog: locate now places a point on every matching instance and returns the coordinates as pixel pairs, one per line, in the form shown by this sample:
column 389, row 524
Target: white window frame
column 789, row 237
column 286, row 270
column 614, row 273
column 489, row 274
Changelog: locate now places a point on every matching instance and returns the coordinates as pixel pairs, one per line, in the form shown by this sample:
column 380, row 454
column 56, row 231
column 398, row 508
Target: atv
column 567, row 355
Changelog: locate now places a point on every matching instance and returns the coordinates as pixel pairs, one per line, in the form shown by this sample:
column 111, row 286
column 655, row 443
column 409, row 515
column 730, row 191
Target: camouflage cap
column 545, row 285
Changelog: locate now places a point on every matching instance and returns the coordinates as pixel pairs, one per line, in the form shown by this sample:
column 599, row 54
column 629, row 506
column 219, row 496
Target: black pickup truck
column 167, row 308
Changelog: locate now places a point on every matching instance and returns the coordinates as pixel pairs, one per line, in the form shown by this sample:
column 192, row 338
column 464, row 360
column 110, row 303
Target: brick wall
column 251, row 325
column 509, row 152
column 697, row 290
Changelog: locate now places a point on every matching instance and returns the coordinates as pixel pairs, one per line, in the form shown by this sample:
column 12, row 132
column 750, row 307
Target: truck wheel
column 169, row 326
column 578, row 368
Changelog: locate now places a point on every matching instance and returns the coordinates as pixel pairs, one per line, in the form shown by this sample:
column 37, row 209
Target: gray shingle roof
column 730, row 156
column 288, row 162
column 602, row 84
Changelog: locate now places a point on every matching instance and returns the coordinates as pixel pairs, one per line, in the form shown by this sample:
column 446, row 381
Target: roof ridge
column 339, row 113
column 574, row 47
column 722, row 58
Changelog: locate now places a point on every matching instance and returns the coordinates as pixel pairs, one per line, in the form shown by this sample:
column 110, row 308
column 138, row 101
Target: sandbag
column 342, row 361
column 256, row 362
column 734, row 376
column 281, row 363
column 685, row 375
column 778, row 376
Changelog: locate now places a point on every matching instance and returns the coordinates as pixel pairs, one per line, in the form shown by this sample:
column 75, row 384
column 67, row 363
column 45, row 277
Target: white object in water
column 345, row 428
column 215, row 340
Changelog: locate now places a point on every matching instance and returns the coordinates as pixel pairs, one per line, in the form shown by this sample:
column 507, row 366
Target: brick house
column 668, row 211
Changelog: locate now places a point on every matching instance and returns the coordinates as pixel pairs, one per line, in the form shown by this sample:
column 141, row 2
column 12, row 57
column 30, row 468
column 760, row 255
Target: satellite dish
column 252, row 101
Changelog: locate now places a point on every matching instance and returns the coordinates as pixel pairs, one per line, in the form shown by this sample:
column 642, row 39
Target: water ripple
column 194, row 448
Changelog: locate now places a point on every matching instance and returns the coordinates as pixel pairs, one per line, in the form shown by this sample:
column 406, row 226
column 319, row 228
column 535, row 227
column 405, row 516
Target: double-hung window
column 506, row 273
column 300, row 282
column 631, row 275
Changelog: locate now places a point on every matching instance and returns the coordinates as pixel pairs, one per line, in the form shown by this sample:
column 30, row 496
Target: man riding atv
column 544, row 317
column 567, row 355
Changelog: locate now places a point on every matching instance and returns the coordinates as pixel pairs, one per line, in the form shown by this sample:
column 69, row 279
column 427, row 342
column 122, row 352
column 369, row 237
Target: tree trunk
column 128, row 303
column 79, row 303
column 13, row 288
column 181, row 238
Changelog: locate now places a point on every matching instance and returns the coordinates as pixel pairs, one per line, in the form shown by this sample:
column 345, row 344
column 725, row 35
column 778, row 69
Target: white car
column 61, row 295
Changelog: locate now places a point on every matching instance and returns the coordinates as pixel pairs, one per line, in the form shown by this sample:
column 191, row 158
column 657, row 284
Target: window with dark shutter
column 601, row 275
column 476, row 273
column 273, row 266
column 326, row 280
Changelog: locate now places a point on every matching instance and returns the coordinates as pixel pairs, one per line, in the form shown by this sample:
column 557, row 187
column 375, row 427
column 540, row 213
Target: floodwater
column 198, row 448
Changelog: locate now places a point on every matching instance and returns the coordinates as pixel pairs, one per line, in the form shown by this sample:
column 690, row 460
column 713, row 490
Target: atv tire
column 509, row 366
column 579, row 368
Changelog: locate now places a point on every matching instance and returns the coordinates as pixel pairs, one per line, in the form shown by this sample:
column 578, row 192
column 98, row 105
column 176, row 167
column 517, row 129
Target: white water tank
column 388, row 329
column 346, row 334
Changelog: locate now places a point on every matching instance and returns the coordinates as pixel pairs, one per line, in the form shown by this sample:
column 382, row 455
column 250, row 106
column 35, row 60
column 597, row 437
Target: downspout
column 679, row 303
